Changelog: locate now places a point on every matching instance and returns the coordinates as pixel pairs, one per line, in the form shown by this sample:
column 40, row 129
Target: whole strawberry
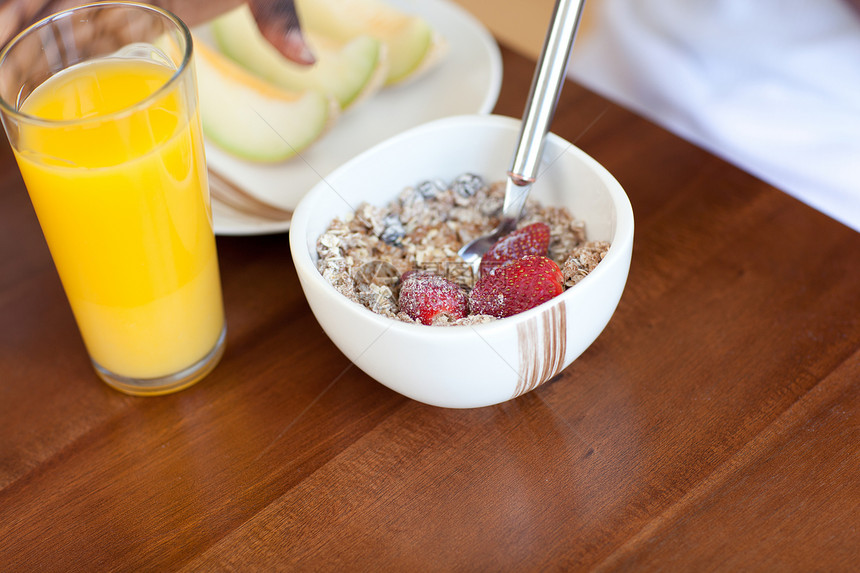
column 530, row 240
column 424, row 296
column 516, row 287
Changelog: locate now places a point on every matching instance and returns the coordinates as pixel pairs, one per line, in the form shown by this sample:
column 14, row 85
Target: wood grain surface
column 713, row 426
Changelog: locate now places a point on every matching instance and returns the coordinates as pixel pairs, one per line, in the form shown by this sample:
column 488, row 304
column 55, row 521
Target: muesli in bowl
column 477, row 361
column 400, row 260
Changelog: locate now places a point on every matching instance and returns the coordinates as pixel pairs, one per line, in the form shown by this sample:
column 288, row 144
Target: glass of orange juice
column 100, row 107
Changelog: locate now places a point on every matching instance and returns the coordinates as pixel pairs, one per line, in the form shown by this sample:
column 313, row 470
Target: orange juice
column 123, row 202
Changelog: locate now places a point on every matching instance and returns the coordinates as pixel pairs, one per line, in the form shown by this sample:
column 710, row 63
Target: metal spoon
column 540, row 108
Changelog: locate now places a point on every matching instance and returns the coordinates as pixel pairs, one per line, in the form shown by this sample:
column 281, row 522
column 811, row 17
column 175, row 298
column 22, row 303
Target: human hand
column 277, row 19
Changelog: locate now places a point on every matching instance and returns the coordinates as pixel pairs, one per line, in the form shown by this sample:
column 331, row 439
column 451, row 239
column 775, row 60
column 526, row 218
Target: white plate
column 466, row 80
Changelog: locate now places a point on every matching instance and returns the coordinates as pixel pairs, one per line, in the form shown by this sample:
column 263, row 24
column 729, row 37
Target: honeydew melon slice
column 253, row 119
column 412, row 46
column 350, row 70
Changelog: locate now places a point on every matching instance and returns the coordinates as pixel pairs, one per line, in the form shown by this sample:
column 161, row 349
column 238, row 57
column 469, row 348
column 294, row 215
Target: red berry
column 516, row 287
column 530, row 240
column 423, row 296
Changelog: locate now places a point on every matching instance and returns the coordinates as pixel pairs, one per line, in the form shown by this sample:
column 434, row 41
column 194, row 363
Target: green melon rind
column 418, row 41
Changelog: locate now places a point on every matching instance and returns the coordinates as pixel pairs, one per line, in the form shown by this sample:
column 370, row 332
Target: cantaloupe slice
column 350, row 70
column 411, row 44
column 252, row 119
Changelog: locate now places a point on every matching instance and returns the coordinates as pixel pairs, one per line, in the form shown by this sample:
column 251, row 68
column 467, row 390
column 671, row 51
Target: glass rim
column 13, row 111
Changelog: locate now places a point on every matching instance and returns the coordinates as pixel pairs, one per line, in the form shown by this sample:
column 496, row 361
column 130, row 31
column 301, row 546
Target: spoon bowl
column 473, row 251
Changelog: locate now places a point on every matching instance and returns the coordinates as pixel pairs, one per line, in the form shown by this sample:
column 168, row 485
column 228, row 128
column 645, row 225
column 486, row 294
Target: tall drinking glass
column 100, row 107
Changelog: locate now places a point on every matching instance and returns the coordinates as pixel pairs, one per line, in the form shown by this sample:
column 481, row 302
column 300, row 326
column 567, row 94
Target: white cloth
column 771, row 85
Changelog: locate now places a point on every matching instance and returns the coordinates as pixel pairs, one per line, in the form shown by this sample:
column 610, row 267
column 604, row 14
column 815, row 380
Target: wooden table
column 712, row 426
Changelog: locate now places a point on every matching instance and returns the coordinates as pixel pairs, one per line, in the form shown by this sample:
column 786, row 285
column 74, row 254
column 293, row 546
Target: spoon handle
column 543, row 97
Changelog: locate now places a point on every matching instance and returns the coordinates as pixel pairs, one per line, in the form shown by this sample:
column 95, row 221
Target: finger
column 279, row 23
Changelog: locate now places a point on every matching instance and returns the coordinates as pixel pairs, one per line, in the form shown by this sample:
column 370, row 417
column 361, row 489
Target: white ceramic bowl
column 484, row 364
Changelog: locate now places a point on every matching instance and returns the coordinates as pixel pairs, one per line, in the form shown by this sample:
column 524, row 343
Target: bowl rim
column 622, row 238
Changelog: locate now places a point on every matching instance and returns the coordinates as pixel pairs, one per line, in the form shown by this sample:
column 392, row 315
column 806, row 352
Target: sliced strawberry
column 530, row 240
column 517, row 286
column 424, row 296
